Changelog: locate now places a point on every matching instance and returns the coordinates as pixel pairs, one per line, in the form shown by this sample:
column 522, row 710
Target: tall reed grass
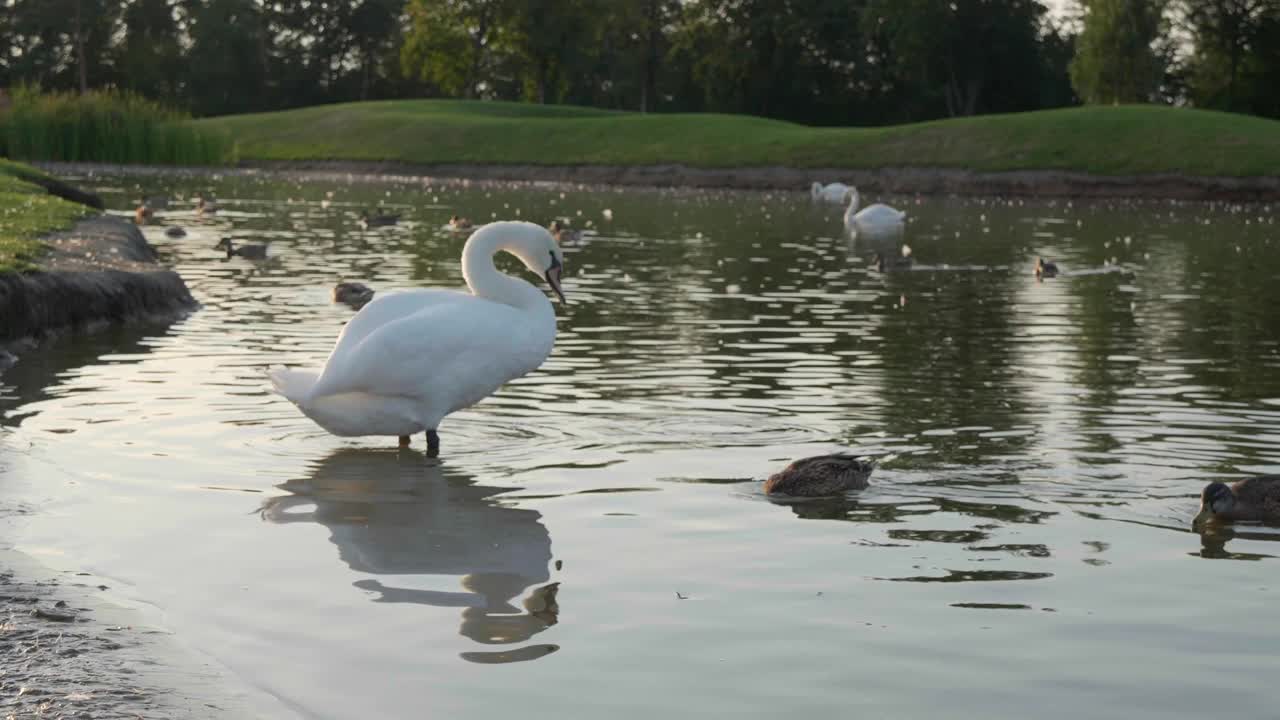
column 108, row 127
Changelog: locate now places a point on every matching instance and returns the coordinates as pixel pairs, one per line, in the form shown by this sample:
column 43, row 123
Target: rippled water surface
column 594, row 542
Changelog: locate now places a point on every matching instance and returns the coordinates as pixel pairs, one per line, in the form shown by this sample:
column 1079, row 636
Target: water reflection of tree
column 395, row 513
column 1232, row 269
column 949, row 357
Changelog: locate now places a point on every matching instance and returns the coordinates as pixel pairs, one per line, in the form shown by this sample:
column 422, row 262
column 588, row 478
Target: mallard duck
column 899, row 263
column 819, row 476
column 1256, row 498
column 1045, row 269
column 354, row 294
column 143, row 214
column 206, row 206
column 251, row 252
column 369, row 220
column 563, row 233
column 174, row 231
column 459, row 223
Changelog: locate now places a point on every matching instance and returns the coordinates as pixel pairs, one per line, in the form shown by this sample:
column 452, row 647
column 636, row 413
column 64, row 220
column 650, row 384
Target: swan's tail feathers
column 295, row 385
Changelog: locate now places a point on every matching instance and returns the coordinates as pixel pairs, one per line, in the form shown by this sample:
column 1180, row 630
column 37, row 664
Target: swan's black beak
column 553, row 279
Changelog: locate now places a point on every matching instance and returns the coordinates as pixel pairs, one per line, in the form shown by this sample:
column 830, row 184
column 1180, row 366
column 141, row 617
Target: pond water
column 594, row 540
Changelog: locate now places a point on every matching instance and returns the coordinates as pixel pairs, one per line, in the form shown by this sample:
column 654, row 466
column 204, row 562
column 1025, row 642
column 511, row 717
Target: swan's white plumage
column 836, row 192
column 408, row 359
column 874, row 219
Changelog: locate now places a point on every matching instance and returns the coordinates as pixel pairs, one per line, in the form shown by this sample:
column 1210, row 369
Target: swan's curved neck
column 854, row 202
column 485, row 281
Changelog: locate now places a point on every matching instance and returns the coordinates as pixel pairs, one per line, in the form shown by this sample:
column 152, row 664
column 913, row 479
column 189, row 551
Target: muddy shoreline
column 66, row 651
column 900, row 180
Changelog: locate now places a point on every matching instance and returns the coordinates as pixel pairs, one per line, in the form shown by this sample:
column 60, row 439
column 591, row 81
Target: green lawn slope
column 27, row 212
column 1124, row 140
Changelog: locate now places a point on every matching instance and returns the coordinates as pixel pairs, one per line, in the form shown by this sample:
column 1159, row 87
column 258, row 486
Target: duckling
column 563, row 233
column 900, row 263
column 206, row 206
column 1045, row 269
column 459, row 223
column 819, row 476
column 368, row 220
column 250, row 252
column 143, row 214
column 1255, row 498
column 174, row 231
column 354, row 294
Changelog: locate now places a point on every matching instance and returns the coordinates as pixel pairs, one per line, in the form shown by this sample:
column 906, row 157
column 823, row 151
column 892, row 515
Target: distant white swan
column 874, row 219
column 408, row 359
column 836, row 192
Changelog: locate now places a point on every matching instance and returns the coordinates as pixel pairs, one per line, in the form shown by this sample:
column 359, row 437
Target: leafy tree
column 229, row 57
column 966, row 56
column 149, row 59
column 1232, row 44
column 449, row 42
column 1116, row 59
column 61, row 43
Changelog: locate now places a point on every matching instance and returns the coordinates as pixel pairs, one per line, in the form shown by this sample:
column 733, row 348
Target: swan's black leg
column 404, row 441
column 433, row 444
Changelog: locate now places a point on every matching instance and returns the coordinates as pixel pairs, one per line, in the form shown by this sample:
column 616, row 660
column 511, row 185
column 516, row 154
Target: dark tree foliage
column 1234, row 66
column 824, row 62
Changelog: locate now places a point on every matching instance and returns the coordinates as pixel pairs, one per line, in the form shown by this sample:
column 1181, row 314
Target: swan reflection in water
column 397, row 513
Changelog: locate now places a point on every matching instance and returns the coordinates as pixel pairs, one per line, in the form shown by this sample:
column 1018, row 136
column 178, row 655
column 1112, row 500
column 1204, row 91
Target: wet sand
column 66, row 652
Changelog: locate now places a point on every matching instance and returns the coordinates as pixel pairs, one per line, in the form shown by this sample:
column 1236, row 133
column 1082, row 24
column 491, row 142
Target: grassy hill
column 1104, row 140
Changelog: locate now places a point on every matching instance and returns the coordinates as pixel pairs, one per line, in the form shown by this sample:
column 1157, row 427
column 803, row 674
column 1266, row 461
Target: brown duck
column 1256, row 498
column 820, row 476
column 353, row 294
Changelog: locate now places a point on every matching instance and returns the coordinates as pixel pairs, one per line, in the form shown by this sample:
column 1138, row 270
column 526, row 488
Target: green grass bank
column 1114, row 141
column 27, row 213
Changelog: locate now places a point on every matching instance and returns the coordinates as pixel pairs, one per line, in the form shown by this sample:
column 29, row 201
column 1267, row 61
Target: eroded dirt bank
column 102, row 271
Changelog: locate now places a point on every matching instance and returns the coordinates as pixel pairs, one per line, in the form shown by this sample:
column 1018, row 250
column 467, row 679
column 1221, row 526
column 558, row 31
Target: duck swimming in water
column 899, row 263
column 1045, row 269
column 1256, row 498
column 249, row 252
column 563, row 233
column 205, row 206
column 353, row 294
column 369, row 220
column 820, row 476
column 143, row 214
column 459, row 223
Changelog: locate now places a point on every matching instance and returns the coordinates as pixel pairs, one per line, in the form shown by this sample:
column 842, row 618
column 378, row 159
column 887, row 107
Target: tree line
column 823, row 62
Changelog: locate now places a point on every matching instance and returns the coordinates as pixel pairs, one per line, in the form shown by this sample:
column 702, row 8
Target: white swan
column 836, row 192
column 874, row 219
column 408, row 359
